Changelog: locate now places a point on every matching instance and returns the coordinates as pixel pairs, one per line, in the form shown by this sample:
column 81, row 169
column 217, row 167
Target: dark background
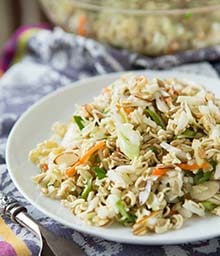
column 14, row 13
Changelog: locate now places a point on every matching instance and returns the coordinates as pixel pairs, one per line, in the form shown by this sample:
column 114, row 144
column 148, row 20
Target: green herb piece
column 206, row 177
column 188, row 133
column 100, row 172
column 105, row 111
column 79, row 121
column 97, row 159
column 201, row 177
column 153, row 149
column 155, row 117
column 87, row 189
column 126, row 217
column 197, row 177
column 209, row 206
column 188, row 15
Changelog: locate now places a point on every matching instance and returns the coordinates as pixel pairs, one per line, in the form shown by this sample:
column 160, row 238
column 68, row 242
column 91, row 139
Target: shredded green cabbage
column 128, row 140
column 209, row 206
column 126, row 217
column 87, row 189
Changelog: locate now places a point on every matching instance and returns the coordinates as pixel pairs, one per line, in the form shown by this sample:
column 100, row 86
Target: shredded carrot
column 193, row 167
column 81, row 29
column 92, row 150
column 172, row 211
column 44, row 167
column 159, row 171
column 184, row 166
column 128, row 110
column 71, row 171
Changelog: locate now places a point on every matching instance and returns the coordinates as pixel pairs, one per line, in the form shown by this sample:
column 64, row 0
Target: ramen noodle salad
column 145, row 153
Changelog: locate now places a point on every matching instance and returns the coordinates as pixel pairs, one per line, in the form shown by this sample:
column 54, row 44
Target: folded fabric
column 110, row 59
column 15, row 48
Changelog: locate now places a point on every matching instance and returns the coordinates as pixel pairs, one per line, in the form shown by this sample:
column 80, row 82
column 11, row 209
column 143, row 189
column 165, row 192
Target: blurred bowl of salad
column 152, row 28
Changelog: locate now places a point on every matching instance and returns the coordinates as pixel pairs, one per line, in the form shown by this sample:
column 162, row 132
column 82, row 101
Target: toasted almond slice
column 142, row 225
column 205, row 190
column 107, row 223
column 89, row 108
column 69, row 158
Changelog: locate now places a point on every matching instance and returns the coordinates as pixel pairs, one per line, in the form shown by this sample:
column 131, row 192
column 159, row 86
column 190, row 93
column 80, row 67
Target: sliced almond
column 69, row 158
column 161, row 83
column 205, row 190
column 89, row 108
column 106, row 223
column 141, row 226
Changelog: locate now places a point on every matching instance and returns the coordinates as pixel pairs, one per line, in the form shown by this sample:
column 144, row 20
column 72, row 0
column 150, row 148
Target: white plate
column 34, row 126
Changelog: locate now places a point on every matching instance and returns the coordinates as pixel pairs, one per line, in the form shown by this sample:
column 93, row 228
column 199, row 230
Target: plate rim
column 71, row 86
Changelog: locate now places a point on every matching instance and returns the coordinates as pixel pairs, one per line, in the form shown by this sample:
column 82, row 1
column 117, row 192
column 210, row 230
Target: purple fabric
column 6, row 249
column 10, row 48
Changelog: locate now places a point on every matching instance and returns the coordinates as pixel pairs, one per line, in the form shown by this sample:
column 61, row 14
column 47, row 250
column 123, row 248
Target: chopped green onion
column 79, row 121
column 153, row 149
column 206, row 177
column 155, row 117
column 188, row 133
column 197, row 177
column 100, row 172
column 209, row 206
column 87, row 189
column 188, row 15
column 97, row 159
column 201, row 177
column 105, row 111
column 126, row 218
